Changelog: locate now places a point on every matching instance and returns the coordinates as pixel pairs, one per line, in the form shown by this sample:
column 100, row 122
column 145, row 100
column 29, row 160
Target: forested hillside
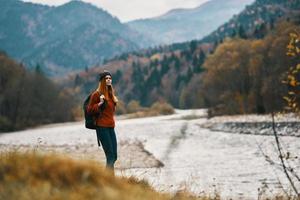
column 29, row 98
column 245, row 76
column 65, row 38
column 182, row 73
column 256, row 19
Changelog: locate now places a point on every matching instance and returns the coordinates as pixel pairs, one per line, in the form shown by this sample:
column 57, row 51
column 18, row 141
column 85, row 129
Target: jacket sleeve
column 93, row 107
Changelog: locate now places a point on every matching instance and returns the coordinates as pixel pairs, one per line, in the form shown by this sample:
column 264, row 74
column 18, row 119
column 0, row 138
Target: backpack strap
column 100, row 111
column 98, row 142
column 102, row 107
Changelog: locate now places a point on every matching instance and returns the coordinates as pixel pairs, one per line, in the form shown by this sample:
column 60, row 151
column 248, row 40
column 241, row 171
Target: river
column 174, row 153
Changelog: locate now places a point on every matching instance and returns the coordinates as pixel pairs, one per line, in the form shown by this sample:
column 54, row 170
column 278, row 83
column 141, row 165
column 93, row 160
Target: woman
column 103, row 103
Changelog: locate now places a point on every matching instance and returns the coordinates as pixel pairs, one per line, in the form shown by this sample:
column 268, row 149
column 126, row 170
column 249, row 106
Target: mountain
column 63, row 38
column 256, row 19
column 180, row 25
column 174, row 73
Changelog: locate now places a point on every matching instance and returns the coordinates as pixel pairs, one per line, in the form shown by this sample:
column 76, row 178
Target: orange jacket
column 106, row 114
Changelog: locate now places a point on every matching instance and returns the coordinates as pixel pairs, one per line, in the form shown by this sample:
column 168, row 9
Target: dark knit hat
column 103, row 74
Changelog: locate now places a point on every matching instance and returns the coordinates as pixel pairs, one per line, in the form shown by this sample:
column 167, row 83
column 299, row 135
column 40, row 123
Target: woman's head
column 105, row 86
column 104, row 74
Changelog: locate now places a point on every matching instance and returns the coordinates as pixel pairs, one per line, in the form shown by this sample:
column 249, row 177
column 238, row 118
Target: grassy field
column 36, row 176
column 32, row 175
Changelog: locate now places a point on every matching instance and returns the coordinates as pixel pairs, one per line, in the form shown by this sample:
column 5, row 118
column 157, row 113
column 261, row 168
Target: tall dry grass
column 28, row 176
column 33, row 176
column 36, row 176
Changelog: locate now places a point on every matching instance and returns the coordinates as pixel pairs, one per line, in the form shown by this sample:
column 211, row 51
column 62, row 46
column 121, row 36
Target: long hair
column 107, row 91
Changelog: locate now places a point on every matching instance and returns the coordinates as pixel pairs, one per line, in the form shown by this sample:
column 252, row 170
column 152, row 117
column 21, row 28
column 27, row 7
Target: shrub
column 133, row 106
column 121, row 108
column 162, row 108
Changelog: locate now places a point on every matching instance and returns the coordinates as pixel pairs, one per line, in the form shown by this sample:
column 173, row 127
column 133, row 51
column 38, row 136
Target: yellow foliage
column 293, row 35
column 287, row 98
column 293, row 74
column 294, row 105
column 155, row 57
column 293, row 83
column 252, row 69
column 292, row 48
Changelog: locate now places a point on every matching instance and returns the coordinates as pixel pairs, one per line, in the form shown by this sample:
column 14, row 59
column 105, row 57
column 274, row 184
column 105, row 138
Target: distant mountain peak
column 180, row 25
column 176, row 10
column 63, row 38
column 75, row 4
column 78, row 3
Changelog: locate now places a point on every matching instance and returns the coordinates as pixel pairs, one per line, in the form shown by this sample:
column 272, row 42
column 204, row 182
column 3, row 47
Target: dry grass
column 158, row 108
column 36, row 176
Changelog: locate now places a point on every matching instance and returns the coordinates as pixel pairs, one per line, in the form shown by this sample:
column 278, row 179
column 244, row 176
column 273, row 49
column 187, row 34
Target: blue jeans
column 107, row 137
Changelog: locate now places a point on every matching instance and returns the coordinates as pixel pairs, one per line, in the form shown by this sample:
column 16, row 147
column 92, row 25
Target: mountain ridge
column 180, row 25
column 30, row 32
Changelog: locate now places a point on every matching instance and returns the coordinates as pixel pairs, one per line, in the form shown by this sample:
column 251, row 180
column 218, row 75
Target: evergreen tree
column 177, row 64
column 193, row 46
column 189, row 75
column 138, row 81
column 38, row 69
column 233, row 34
column 117, row 76
column 201, row 57
column 242, row 33
column 77, row 80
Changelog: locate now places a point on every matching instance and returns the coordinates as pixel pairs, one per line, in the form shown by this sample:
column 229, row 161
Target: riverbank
column 176, row 152
column 285, row 124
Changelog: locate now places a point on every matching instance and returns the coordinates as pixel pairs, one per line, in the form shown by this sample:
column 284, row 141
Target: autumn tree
column 29, row 98
column 292, row 79
column 244, row 76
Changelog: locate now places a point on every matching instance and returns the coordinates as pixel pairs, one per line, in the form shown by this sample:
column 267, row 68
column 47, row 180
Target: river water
column 196, row 159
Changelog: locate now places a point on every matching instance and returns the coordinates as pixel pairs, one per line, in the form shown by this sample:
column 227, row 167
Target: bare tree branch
column 281, row 157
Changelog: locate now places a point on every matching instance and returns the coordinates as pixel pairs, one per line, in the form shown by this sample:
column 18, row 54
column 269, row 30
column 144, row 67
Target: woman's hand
column 102, row 97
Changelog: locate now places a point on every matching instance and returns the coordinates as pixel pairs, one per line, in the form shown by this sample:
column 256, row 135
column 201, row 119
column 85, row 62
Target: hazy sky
column 127, row 10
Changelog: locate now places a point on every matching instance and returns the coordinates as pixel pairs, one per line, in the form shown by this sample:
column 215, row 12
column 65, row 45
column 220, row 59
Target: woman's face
column 108, row 80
